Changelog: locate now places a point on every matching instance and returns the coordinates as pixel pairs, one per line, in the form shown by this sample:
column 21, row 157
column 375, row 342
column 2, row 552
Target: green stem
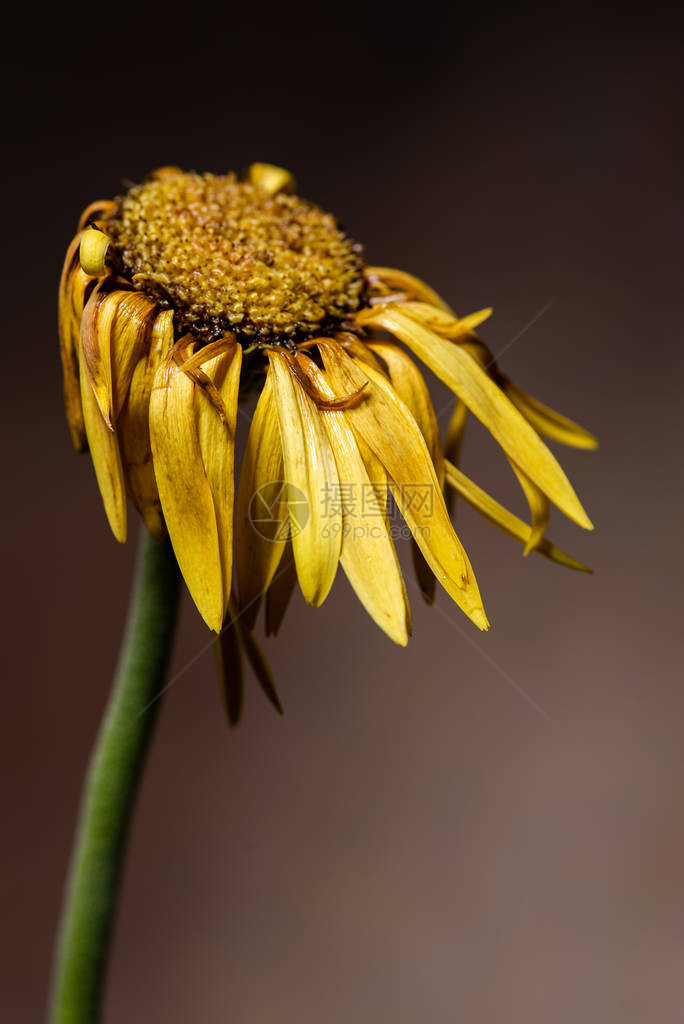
column 111, row 786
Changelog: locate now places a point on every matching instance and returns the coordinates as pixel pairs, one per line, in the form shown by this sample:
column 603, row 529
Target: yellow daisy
column 192, row 291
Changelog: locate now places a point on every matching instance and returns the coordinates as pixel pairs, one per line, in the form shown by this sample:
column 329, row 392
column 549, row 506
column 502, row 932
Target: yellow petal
column 377, row 474
column 454, row 328
column 539, row 508
column 99, row 207
column 311, row 476
column 106, row 456
column 261, row 509
column 455, row 432
column 410, row 386
column 547, row 422
column 368, row 556
column 93, row 251
column 390, row 430
column 217, row 447
column 358, row 349
column 453, row 444
column 499, row 516
column 133, row 427
column 184, row 490
column 129, row 335
column 96, row 345
column 465, row 377
column 404, row 282
column 68, row 346
column 271, row 178
column 80, row 288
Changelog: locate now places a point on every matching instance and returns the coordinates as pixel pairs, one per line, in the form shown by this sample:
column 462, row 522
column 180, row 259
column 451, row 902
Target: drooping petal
column 455, row 431
column 506, row 521
column 454, row 442
column 217, row 447
column 539, row 508
column 256, row 658
column 472, row 385
column 106, row 456
column 133, row 427
column 229, row 671
column 233, row 642
column 280, row 591
column 411, row 388
column 68, row 346
column 96, row 344
column 129, row 336
column 311, row 477
column 390, row 430
column 405, row 282
column 261, row 510
column 184, row 490
column 368, row 556
column 547, row 422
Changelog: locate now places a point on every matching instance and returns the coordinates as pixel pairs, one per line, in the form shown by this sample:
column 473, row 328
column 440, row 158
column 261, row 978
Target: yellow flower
column 192, row 291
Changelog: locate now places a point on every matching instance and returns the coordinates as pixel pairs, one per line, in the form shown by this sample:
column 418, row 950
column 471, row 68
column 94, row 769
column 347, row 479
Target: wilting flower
column 190, row 292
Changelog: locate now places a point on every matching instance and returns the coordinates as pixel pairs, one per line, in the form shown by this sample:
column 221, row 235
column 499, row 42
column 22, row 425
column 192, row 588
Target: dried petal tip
column 93, row 251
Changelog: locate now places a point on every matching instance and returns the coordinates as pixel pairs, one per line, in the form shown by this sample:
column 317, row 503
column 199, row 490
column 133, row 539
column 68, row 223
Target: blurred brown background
column 413, row 841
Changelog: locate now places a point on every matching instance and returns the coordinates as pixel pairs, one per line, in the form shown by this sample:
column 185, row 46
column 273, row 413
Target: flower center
column 228, row 254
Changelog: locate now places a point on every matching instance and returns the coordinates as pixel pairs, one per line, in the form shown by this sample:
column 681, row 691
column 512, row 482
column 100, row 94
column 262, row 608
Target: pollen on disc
column 228, row 252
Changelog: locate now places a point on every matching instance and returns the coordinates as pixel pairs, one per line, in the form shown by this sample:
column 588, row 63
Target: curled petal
column 93, row 251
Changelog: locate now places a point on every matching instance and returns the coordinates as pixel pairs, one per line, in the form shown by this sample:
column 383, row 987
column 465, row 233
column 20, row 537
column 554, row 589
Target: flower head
column 191, row 291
